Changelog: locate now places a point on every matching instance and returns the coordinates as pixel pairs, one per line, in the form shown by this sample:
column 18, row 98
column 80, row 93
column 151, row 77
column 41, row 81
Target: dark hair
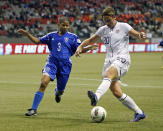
column 109, row 11
column 62, row 19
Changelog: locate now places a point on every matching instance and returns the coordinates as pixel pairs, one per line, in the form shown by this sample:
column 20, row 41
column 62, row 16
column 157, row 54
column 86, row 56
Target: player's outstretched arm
column 90, row 47
column 86, row 42
column 139, row 35
column 30, row 36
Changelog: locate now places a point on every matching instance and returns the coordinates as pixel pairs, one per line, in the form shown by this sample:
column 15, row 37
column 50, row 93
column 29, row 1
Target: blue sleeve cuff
column 161, row 43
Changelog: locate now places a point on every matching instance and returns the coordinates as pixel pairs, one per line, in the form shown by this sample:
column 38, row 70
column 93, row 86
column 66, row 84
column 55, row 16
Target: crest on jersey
column 117, row 31
column 66, row 39
column 78, row 40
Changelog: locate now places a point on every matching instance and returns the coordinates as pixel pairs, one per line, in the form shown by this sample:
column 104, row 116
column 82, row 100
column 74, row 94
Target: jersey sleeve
column 76, row 43
column 99, row 31
column 127, row 27
column 45, row 39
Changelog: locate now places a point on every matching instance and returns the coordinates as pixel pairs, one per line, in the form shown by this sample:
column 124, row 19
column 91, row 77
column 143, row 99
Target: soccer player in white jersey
column 115, row 36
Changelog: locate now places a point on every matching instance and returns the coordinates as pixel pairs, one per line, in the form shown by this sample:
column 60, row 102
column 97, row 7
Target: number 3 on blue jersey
column 59, row 47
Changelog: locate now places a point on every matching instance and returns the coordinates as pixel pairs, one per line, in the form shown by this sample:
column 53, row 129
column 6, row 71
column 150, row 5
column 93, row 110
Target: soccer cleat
column 57, row 96
column 93, row 98
column 31, row 112
column 138, row 117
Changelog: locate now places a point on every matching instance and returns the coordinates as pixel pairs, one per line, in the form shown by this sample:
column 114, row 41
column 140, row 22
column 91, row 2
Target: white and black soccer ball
column 98, row 114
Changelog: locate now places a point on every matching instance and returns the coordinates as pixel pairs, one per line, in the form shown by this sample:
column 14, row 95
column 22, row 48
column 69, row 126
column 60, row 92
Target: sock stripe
column 122, row 99
column 107, row 79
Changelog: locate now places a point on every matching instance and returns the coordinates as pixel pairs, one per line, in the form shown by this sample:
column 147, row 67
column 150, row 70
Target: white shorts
column 121, row 64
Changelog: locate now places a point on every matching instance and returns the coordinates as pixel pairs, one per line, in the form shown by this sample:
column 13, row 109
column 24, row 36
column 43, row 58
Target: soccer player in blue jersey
column 161, row 45
column 62, row 45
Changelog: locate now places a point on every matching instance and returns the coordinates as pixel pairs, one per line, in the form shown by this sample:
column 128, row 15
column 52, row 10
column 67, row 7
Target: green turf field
column 20, row 78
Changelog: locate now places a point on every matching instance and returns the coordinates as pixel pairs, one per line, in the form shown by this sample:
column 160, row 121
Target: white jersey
column 116, row 41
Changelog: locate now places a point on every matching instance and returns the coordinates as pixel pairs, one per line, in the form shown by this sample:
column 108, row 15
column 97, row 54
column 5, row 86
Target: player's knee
column 111, row 73
column 110, row 76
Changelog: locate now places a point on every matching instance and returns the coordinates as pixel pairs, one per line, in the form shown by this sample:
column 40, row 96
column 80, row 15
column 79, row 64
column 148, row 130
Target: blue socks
column 37, row 99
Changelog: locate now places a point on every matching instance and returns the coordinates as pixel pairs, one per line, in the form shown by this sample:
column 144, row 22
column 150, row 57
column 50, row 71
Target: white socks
column 102, row 89
column 129, row 102
column 126, row 100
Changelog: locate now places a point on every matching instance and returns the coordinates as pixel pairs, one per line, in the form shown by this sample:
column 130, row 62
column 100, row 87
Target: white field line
column 79, row 84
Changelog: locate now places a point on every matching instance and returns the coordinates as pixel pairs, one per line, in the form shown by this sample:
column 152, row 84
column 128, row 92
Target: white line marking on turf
column 81, row 84
column 84, row 79
column 123, row 84
column 18, row 82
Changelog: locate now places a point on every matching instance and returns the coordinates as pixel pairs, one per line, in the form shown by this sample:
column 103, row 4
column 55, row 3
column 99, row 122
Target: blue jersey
column 61, row 47
column 161, row 43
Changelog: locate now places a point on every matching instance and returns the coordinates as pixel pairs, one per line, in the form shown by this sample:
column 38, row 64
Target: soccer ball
column 98, row 114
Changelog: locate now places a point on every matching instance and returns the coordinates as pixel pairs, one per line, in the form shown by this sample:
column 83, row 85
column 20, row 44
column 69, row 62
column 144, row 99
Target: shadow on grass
column 58, row 116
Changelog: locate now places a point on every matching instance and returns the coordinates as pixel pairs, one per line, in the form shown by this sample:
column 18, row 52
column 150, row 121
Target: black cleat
column 57, row 96
column 31, row 112
column 92, row 96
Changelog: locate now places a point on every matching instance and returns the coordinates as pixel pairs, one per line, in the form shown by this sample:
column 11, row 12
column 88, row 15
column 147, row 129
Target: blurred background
column 20, row 72
column 40, row 17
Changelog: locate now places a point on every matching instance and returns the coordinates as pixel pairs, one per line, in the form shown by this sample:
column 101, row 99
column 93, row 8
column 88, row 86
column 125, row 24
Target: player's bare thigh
column 115, row 70
column 111, row 73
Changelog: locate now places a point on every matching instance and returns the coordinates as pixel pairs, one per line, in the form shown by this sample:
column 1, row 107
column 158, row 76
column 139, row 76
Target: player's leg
column 110, row 74
column 62, row 78
column 38, row 96
column 58, row 91
column 40, row 93
column 49, row 73
column 126, row 100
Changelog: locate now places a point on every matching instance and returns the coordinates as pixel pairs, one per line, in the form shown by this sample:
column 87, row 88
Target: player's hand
column 142, row 35
column 94, row 47
column 24, row 32
column 78, row 51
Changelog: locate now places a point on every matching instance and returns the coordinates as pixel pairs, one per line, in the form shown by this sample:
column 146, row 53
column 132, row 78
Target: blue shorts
column 60, row 69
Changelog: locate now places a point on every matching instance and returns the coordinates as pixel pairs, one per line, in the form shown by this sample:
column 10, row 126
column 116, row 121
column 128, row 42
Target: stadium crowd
column 40, row 16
